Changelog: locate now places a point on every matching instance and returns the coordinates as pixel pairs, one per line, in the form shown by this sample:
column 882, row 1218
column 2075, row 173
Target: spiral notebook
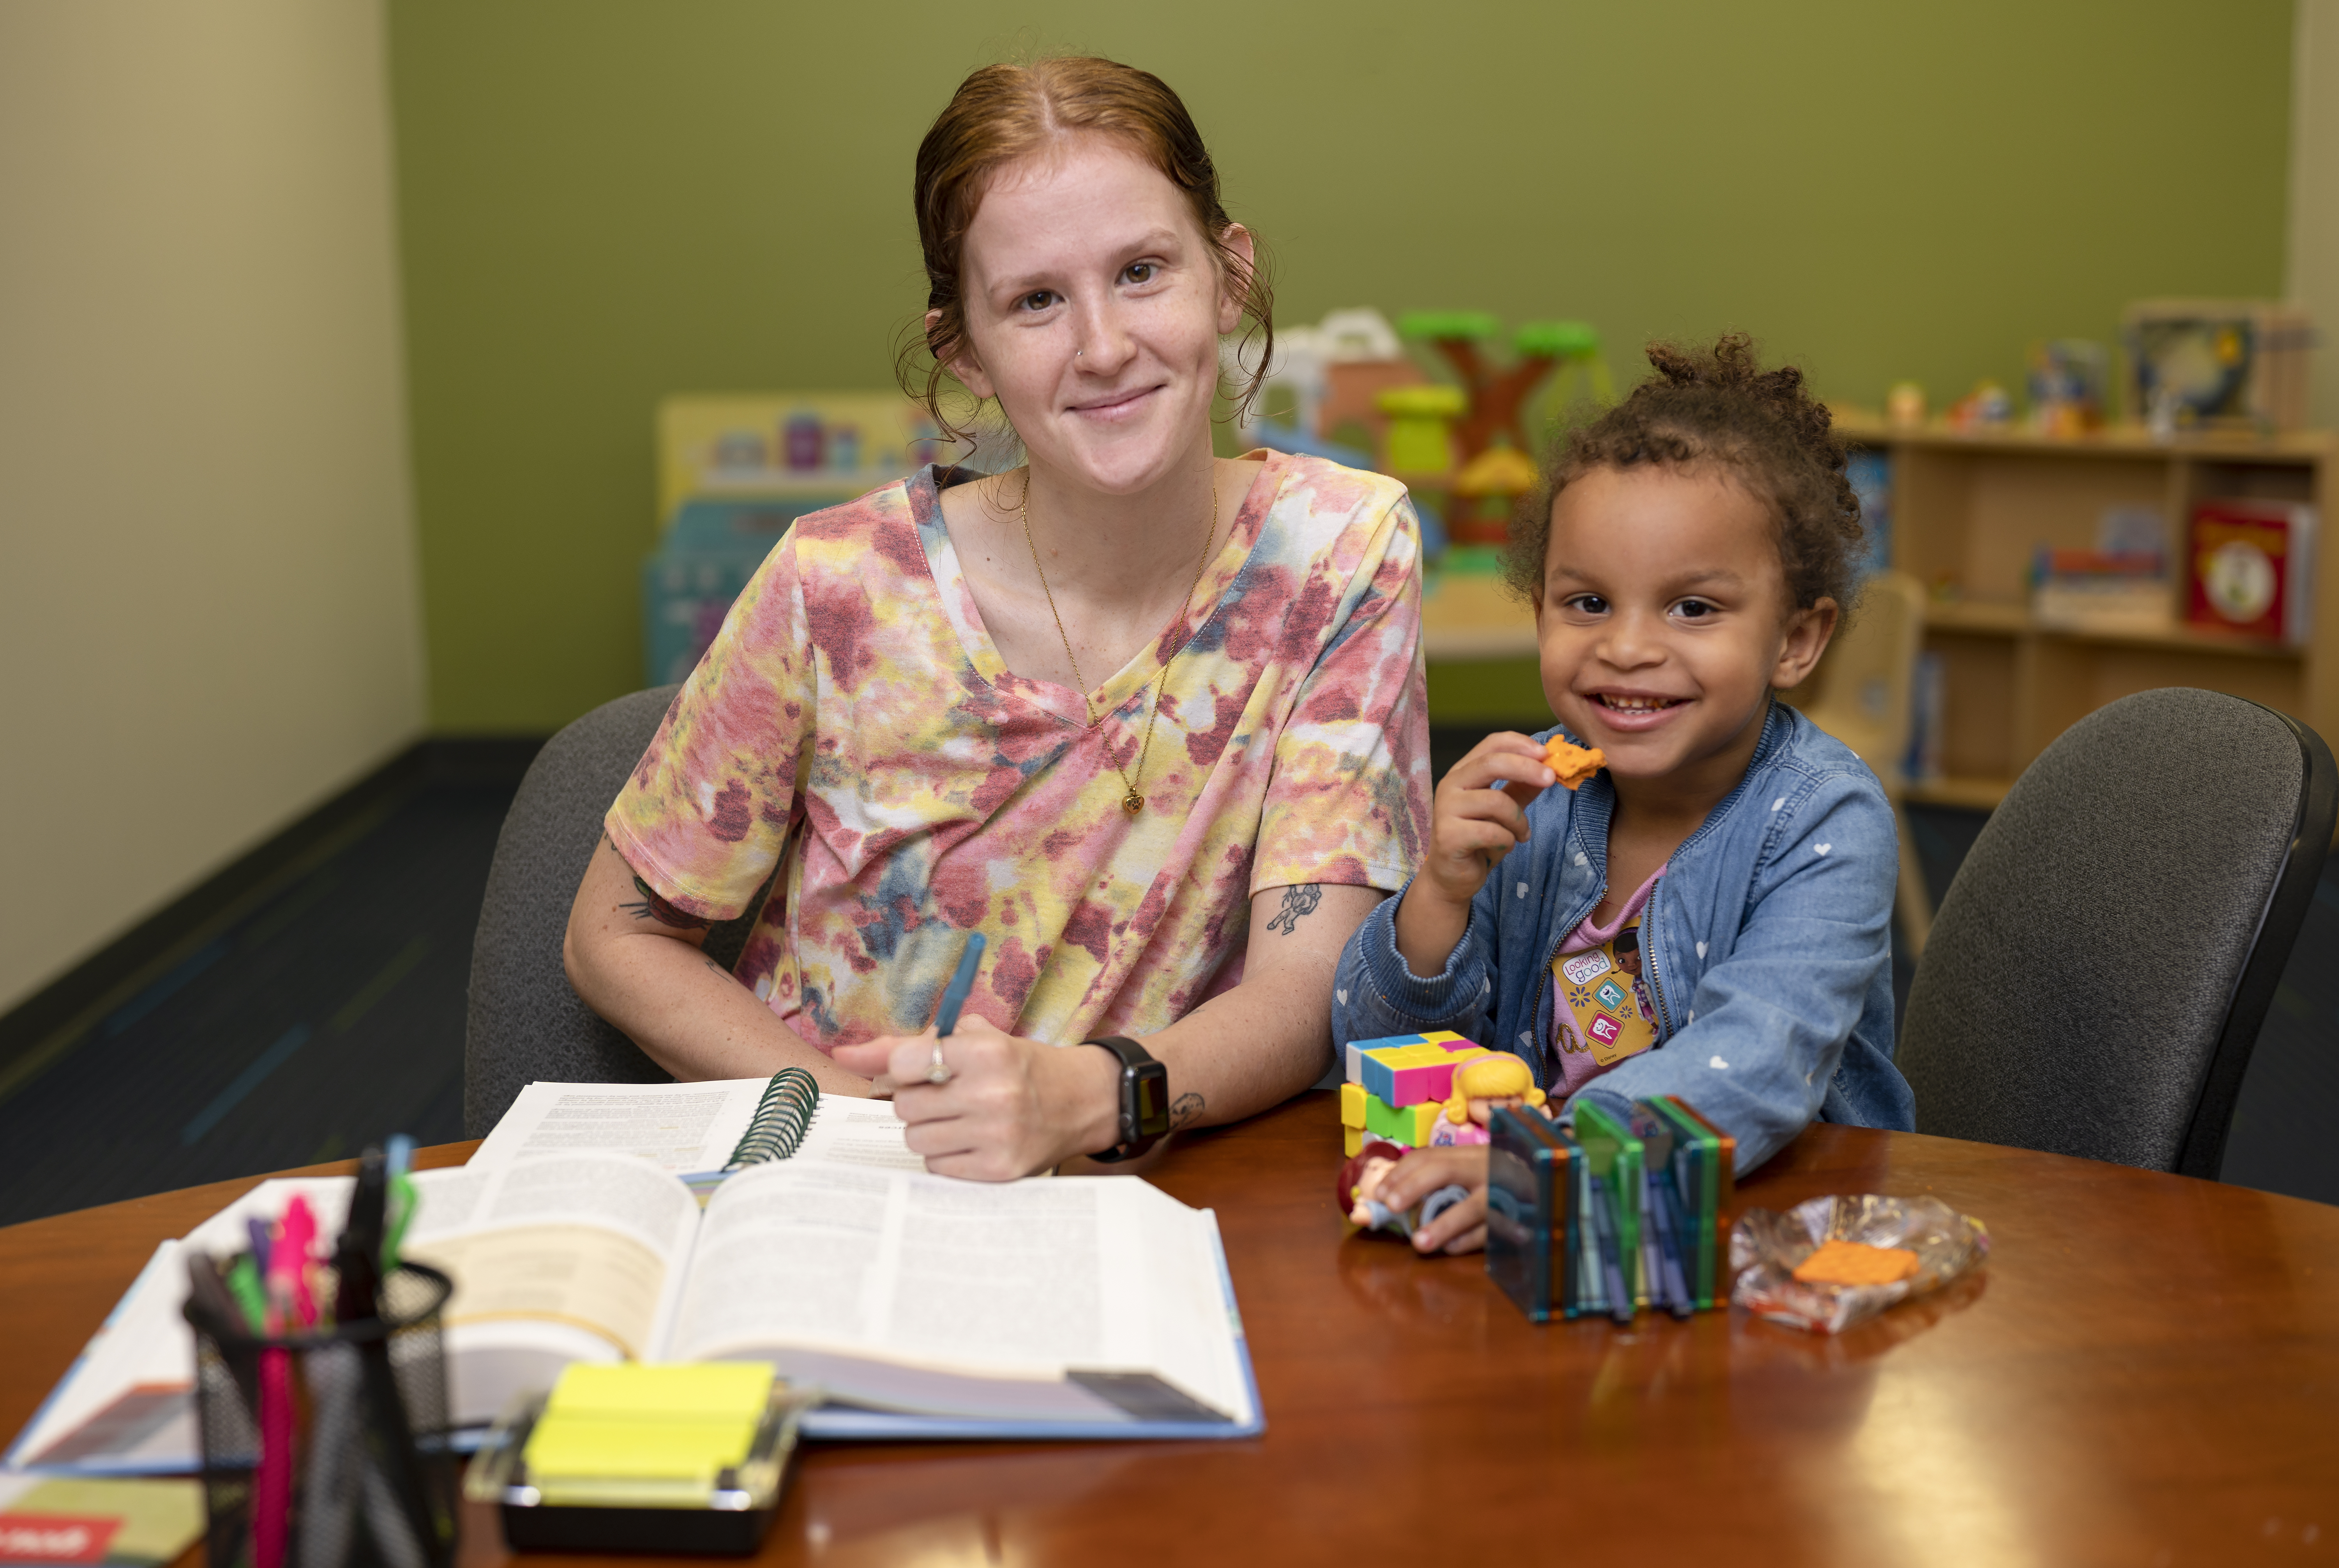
column 702, row 1132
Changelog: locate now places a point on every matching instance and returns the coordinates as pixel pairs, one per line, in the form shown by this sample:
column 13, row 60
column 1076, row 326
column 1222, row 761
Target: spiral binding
column 781, row 1118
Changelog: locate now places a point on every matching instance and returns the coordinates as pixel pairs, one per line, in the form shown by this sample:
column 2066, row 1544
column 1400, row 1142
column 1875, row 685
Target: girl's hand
column 1012, row 1107
column 1472, row 825
column 1458, row 1227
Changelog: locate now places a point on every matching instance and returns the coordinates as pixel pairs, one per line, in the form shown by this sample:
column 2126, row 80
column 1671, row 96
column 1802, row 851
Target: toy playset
column 1610, row 1217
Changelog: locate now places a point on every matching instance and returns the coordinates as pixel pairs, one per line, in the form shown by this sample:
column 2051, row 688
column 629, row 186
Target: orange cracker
column 1573, row 763
column 1856, row 1263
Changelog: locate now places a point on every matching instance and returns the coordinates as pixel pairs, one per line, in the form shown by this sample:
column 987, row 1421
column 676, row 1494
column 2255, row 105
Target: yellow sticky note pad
column 674, row 1424
column 691, row 1390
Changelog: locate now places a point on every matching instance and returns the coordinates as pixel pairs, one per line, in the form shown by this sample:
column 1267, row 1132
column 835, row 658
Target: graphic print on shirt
column 1605, row 1008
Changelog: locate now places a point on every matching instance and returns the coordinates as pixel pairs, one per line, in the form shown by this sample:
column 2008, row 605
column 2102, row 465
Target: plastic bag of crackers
column 1830, row 1262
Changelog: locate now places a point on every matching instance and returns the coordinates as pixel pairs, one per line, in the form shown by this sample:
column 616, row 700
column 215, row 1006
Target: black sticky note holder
column 730, row 1519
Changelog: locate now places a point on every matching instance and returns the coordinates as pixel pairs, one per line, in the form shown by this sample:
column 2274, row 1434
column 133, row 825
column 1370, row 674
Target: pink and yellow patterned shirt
column 854, row 724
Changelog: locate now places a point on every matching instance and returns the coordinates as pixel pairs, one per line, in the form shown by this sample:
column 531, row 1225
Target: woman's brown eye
column 1140, row 272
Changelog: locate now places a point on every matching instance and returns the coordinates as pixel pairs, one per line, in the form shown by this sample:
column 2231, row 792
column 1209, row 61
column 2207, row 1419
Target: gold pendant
column 1132, row 802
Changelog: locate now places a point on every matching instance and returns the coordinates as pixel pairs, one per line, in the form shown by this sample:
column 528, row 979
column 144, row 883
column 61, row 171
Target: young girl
column 1708, row 916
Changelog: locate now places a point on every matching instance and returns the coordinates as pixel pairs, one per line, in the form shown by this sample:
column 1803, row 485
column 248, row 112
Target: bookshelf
column 1968, row 513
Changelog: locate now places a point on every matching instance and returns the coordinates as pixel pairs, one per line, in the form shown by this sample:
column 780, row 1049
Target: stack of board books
column 741, row 1220
column 1610, row 1217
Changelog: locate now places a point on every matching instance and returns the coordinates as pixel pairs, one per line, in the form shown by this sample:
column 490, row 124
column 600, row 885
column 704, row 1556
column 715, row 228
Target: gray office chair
column 2098, row 971
column 525, row 1022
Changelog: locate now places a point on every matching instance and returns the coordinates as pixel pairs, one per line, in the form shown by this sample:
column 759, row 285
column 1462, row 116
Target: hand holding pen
column 954, row 996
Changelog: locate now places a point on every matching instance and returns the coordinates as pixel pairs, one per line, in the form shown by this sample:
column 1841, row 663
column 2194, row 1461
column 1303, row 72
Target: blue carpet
column 327, row 1017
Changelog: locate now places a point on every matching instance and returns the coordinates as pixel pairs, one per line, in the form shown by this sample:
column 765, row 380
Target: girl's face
column 1094, row 308
column 1665, row 622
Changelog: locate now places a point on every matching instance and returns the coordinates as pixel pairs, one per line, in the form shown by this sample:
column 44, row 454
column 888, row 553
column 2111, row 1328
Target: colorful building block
column 1353, row 1057
column 1409, row 1125
column 1410, row 1074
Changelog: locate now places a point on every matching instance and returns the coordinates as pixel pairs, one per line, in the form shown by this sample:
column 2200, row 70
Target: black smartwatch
column 1144, row 1099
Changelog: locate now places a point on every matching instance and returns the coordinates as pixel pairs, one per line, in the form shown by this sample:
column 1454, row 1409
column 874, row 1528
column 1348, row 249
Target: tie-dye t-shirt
column 854, row 724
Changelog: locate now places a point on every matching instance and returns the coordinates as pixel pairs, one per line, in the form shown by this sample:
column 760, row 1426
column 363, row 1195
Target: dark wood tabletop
column 2145, row 1372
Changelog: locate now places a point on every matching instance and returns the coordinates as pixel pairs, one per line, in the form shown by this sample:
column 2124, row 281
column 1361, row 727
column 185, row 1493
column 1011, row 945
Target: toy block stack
column 1395, row 1086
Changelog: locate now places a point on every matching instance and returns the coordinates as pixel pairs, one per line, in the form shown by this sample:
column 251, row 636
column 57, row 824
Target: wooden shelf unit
column 1970, row 510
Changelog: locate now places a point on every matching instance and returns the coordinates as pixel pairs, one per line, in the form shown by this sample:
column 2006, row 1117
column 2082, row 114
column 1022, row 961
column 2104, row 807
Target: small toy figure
column 1360, row 1180
column 1481, row 1084
column 1573, row 763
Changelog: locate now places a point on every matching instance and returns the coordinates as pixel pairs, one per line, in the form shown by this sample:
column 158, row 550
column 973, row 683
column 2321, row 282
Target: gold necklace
column 1132, row 802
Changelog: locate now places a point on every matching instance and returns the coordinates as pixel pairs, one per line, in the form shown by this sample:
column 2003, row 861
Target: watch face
column 1150, row 1091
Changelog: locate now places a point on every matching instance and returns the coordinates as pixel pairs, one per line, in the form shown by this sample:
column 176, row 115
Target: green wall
column 604, row 201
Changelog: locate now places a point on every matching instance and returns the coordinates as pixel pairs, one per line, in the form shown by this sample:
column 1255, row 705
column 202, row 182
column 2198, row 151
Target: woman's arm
column 635, row 960
column 1014, row 1106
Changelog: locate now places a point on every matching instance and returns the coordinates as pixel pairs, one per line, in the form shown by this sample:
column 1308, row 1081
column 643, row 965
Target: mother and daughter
column 1152, row 722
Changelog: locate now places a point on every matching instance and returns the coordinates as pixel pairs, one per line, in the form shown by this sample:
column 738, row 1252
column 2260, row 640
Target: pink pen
column 290, row 1304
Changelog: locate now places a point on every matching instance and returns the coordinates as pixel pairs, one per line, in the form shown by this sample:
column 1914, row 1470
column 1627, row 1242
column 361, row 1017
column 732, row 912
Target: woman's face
column 1094, row 308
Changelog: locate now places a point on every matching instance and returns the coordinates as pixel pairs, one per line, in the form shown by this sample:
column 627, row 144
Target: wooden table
column 2146, row 1372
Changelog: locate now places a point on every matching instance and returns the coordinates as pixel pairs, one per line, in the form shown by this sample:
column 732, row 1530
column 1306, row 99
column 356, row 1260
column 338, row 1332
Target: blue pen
column 398, row 1154
column 257, row 1229
column 954, row 993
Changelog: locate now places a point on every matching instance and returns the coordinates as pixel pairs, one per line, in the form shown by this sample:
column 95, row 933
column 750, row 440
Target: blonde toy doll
column 1480, row 1085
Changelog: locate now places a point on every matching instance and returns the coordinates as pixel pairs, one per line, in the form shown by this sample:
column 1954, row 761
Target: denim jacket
column 1767, row 944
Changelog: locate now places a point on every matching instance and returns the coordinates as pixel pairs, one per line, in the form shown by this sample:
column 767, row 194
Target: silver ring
column 938, row 1071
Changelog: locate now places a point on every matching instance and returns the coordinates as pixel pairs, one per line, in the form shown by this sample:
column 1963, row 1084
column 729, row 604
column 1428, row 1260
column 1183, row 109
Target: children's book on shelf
column 2251, row 569
column 600, row 1223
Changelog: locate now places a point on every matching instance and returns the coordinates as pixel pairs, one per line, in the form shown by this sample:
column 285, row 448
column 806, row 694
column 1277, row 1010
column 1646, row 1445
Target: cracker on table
column 1573, row 763
column 1856, row 1263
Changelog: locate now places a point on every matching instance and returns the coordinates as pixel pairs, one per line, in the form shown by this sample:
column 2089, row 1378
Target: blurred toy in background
column 1870, row 473
column 1357, row 1190
column 2212, row 364
column 1484, row 494
column 1482, row 1086
column 1904, row 405
column 1986, row 408
column 734, row 475
column 2067, row 380
column 1418, row 445
column 1362, row 360
column 1498, row 398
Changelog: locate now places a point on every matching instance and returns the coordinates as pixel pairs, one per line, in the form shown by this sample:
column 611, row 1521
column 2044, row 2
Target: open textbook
column 1092, row 1305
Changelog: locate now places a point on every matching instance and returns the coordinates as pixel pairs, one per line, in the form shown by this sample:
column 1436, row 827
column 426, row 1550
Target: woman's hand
column 1458, row 1227
column 1472, row 825
column 1012, row 1107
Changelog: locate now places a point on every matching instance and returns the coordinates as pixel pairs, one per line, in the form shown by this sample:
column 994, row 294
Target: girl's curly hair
column 1716, row 406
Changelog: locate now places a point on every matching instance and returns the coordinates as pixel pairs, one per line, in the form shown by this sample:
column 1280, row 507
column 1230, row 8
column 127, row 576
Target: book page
column 677, row 1127
column 555, row 1260
column 1018, row 1281
column 848, row 1130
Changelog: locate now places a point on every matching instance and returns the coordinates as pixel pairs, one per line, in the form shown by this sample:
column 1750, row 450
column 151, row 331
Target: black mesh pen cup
column 328, row 1448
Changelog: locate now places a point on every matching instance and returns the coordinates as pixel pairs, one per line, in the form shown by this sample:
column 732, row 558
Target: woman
column 1150, row 721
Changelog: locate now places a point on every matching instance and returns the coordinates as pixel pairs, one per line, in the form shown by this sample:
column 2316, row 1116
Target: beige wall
column 2312, row 276
column 208, row 603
